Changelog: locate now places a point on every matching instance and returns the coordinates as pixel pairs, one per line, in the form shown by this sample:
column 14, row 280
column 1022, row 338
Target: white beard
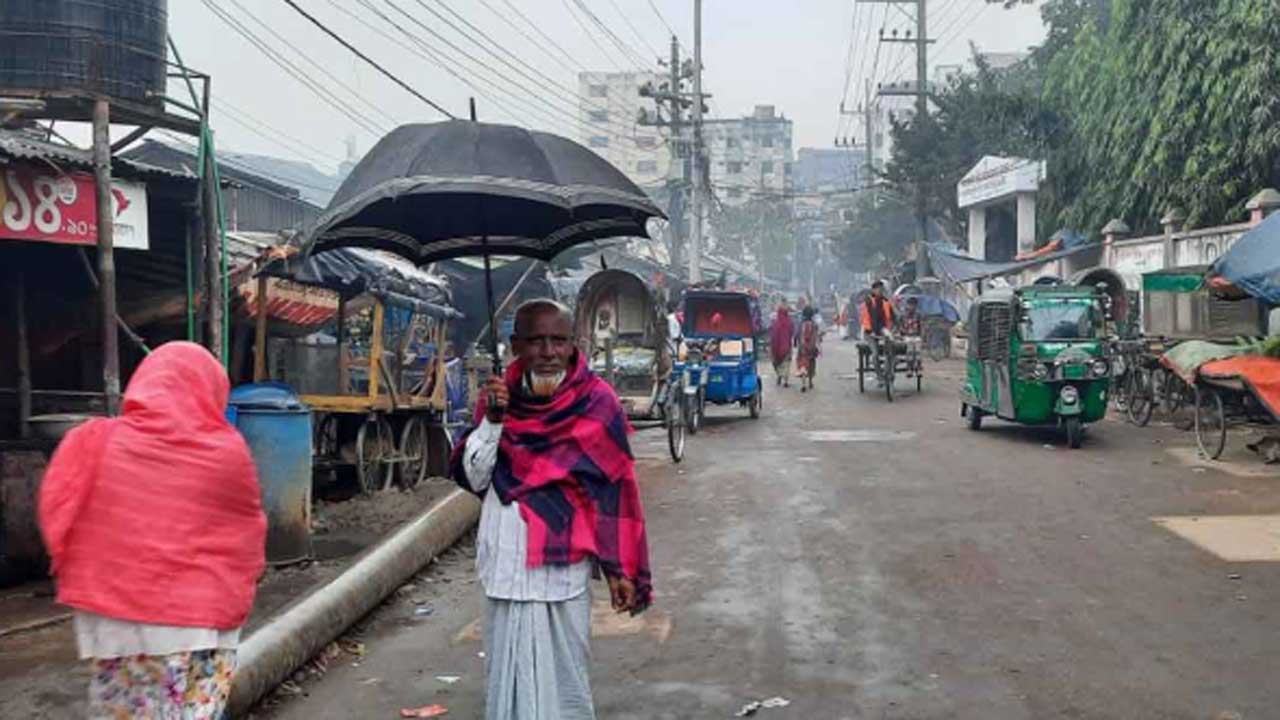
column 544, row 385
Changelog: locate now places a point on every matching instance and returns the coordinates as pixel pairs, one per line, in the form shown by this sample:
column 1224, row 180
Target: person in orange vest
column 877, row 318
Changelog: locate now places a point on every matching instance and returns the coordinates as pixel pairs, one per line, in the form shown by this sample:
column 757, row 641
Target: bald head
column 543, row 340
column 529, row 309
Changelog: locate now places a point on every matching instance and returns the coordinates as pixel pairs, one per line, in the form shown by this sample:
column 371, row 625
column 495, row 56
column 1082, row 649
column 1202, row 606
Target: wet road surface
column 872, row 560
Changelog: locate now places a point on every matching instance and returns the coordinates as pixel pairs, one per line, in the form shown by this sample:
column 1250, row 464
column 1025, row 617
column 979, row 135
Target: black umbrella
column 443, row 190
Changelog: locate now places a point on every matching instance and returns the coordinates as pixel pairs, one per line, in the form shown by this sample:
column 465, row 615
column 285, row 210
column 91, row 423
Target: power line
column 224, row 159
column 538, row 29
column 323, row 70
column 571, row 116
column 293, row 70
column 627, row 20
column 569, row 92
column 266, row 131
column 662, row 19
column 369, row 60
column 591, row 36
column 626, row 50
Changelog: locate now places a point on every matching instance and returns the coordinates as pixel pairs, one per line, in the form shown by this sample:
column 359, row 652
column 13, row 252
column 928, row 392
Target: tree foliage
column 880, row 232
column 1137, row 106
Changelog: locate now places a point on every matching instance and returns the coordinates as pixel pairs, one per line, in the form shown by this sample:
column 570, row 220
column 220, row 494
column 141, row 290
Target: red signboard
column 43, row 204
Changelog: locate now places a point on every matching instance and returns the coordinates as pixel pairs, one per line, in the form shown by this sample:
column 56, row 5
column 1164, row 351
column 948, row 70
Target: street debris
column 426, row 711
column 1268, row 447
column 755, row 706
column 448, row 679
column 1234, row 576
column 423, row 611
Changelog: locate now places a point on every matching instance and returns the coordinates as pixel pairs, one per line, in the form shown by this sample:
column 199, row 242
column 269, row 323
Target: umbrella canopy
column 1252, row 264
column 432, row 191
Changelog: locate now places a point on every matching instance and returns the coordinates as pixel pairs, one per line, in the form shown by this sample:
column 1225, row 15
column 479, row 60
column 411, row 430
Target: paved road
column 868, row 560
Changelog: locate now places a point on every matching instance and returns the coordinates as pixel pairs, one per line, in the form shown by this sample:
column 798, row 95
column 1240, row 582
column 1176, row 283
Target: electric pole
column 695, row 247
column 921, row 94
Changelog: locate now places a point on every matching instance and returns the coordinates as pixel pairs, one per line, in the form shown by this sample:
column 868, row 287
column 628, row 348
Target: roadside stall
column 377, row 384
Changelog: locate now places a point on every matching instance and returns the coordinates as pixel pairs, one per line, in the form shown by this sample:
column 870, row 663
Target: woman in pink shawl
column 780, row 336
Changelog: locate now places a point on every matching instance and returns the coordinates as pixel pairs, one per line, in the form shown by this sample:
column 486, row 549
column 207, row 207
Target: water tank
column 115, row 48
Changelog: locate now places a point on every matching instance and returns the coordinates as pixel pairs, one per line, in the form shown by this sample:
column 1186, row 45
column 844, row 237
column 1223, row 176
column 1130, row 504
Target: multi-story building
column 749, row 154
column 609, row 106
column 831, row 169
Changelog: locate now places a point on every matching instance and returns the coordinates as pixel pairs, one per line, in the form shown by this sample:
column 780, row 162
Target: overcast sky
column 791, row 54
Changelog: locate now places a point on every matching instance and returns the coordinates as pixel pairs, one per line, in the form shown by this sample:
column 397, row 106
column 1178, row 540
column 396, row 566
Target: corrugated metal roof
column 21, row 146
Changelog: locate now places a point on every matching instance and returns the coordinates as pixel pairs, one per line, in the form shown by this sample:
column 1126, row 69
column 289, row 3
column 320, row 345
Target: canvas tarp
column 1253, row 262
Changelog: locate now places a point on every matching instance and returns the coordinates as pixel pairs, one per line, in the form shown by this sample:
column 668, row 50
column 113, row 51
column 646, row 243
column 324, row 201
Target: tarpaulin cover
column 1186, row 358
column 1259, row 372
column 1253, row 262
column 962, row 268
column 356, row 271
column 930, row 306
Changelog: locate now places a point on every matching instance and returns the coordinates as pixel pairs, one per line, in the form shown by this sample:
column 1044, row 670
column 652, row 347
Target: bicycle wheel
column 888, row 361
column 1179, row 401
column 1140, row 401
column 1210, row 423
column 675, row 432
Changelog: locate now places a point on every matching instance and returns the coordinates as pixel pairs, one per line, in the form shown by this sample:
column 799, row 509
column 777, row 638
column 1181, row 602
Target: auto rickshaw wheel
column 1210, row 423
column 757, row 401
column 1075, row 432
column 975, row 417
column 375, row 442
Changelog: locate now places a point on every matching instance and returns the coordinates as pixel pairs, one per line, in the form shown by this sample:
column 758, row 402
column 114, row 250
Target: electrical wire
column 368, row 60
column 626, row 50
column 323, row 70
column 293, row 70
column 638, row 35
column 565, row 90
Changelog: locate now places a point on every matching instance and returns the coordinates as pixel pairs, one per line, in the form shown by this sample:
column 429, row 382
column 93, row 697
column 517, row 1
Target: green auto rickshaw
column 1038, row 355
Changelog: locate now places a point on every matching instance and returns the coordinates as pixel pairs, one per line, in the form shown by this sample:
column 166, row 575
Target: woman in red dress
column 809, row 348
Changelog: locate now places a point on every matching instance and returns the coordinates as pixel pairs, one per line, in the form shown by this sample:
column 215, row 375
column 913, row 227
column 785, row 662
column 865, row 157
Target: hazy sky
column 791, row 54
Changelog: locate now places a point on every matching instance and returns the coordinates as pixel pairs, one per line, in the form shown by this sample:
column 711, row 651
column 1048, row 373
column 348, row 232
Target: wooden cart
column 383, row 421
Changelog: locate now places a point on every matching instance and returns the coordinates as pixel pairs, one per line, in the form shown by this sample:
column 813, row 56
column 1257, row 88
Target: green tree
column 877, row 233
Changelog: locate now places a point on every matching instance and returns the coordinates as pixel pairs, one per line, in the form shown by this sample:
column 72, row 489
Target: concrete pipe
column 277, row 649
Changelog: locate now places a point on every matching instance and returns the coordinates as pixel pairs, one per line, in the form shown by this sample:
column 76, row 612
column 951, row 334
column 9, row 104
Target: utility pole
column 676, row 101
column 106, row 255
column 921, row 93
column 695, row 247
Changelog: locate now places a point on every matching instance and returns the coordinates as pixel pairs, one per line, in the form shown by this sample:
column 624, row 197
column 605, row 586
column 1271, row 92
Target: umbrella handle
column 493, row 328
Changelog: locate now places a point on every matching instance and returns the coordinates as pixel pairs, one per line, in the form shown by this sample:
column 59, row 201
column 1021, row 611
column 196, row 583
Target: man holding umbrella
column 551, row 458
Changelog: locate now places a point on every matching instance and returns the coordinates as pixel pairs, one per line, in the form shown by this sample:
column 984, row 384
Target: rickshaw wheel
column 675, row 436
column 975, row 417
column 374, row 442
column 415, row 449
column 326, row 437
column 1210, row 423
column 1075, row 432
column 1178, row 395
column 757, row 401
column 1139, row 397
column 693, row 414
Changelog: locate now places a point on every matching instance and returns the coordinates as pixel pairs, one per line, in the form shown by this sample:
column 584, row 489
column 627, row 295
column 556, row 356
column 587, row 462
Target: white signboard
column 995, row 178
column 129, row 210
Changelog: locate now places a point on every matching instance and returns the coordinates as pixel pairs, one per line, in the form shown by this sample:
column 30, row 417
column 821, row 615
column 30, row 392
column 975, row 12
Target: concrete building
column 829, row 169
column 608, row 108
column 749, row 154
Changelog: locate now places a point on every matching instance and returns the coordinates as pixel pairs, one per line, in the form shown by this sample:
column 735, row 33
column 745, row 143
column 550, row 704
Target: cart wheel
column 919, row 375
column 1210, row 423
column 374, row 443
column 888, row 387
column 757, row 401
column 693, row 414
column 1075, row 432
column 415, row 450
column 1139, row 397
column 862, row 380
column 326, row 437
column 975, row 417
column 1179, row 401
column 675, row 433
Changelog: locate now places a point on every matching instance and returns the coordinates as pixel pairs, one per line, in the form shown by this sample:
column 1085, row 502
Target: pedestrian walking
column 780, row 343
column 154, row 526
column 809, row 346
column 550, row 457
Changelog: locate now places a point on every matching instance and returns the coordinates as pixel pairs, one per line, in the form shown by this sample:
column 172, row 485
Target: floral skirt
column 182, row 686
